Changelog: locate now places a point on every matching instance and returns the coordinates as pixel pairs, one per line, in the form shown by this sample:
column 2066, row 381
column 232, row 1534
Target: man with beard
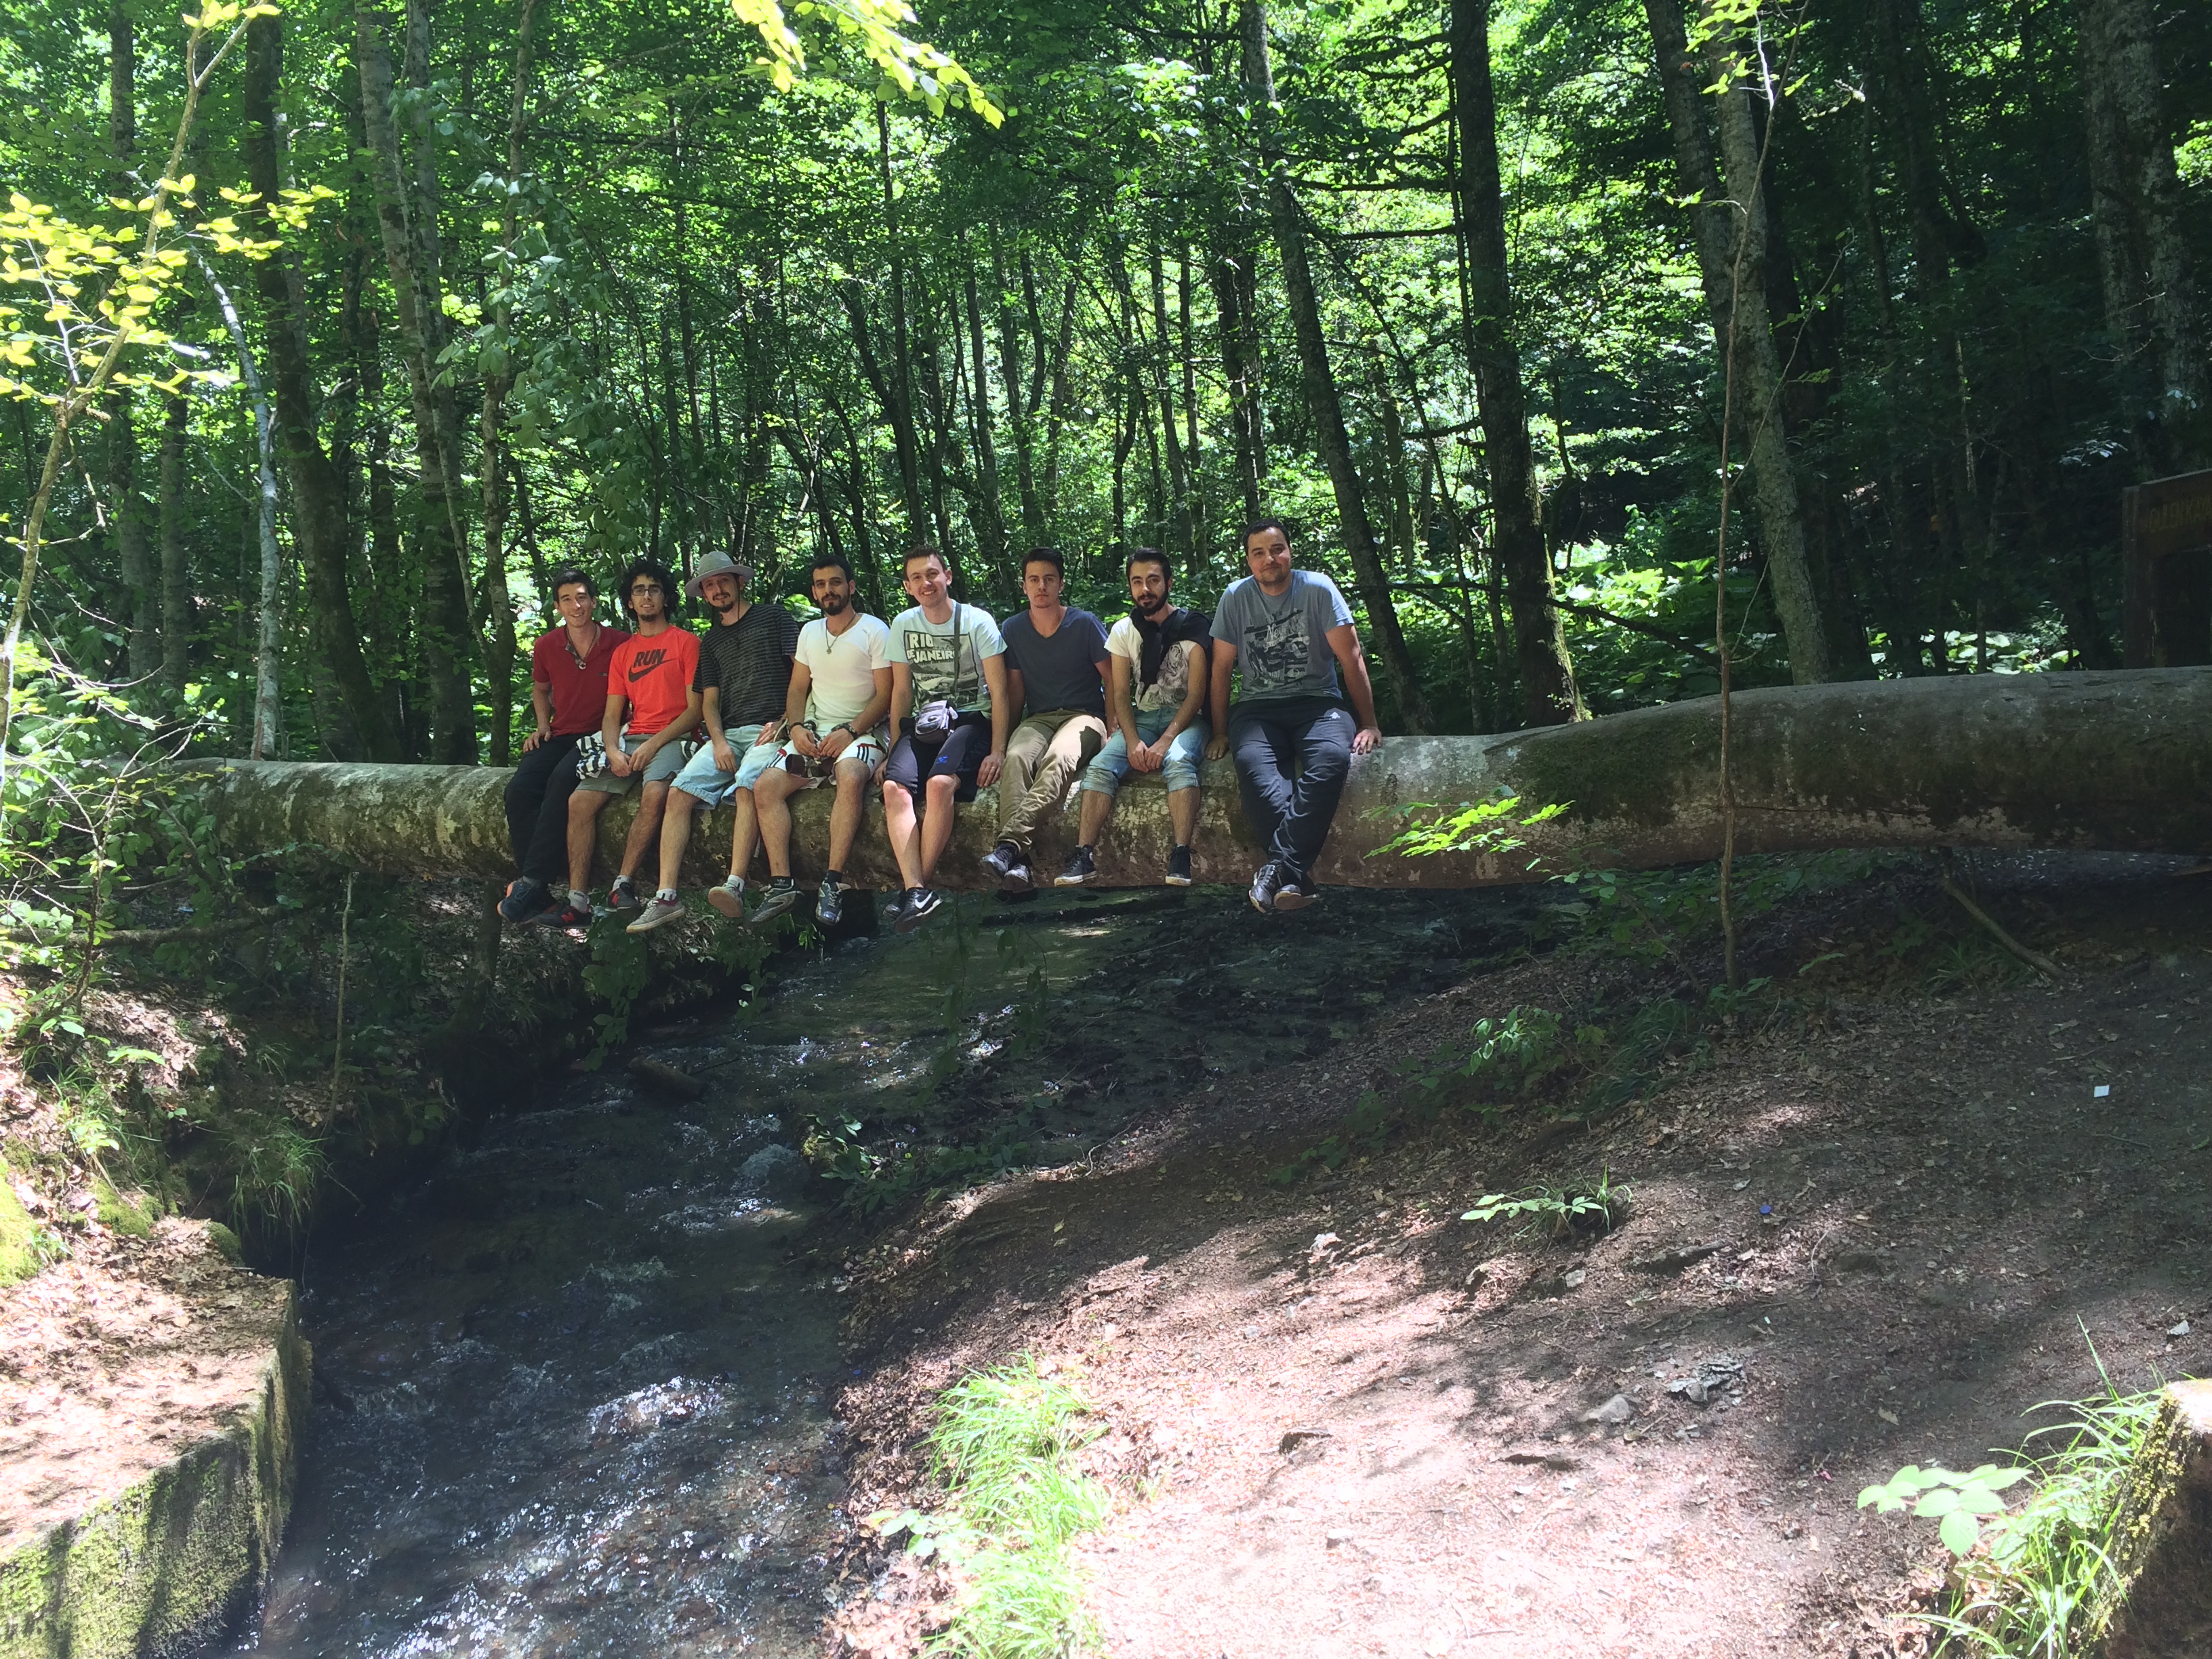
column 1155, row 696
column 651, row 707
column 1287, row 633
column 744, row 674
column 569, row 695
column 840, row 689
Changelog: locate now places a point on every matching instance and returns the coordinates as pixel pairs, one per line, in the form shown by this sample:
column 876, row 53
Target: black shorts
column 957, row 754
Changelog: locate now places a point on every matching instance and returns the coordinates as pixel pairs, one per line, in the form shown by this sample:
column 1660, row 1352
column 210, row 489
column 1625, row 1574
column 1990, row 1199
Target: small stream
column 574, row 1395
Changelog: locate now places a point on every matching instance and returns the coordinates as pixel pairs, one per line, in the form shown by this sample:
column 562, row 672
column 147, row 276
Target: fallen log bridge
column 2117, row 761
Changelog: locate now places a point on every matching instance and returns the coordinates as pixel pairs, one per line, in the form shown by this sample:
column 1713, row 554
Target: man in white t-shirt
column 949, row 690
column 832, row 729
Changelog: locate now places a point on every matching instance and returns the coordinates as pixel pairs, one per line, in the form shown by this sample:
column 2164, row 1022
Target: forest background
column 1482, row 298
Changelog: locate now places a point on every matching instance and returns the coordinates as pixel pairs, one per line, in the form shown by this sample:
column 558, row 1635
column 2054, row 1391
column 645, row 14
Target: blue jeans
column 1292, row 758
column 1179, row 771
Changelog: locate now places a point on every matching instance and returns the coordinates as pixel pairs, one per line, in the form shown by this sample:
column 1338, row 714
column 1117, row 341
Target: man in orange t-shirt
column 651, row 710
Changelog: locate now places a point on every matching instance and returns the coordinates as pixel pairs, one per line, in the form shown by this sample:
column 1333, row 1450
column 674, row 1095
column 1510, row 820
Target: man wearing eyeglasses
column 651, row 707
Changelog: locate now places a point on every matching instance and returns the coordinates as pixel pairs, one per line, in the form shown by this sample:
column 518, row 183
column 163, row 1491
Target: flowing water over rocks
column 572, row 1391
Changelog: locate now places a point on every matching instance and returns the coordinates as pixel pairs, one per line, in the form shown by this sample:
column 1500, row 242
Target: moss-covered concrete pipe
column 176, row 1558
column 2118, row 761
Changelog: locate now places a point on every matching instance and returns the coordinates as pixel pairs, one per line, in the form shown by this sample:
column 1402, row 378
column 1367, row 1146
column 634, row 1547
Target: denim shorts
column 707, row 782
column 1179, row 771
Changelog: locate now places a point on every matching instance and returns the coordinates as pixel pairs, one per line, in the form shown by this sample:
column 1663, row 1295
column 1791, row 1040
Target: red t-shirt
column 579, row 689
column 655, row 675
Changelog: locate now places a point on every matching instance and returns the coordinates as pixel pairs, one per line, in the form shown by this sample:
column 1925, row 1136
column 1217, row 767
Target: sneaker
column 1267, row 882
column 1081, row 866
column 1179, row 867
column 894, row 910
column 561, row 913
column 830, row 904
column 782, row 893
column 1018, row 879
column 1296, row 893
column 525, row 897
column 659, row 914
column 624, row 895
column 922, row 902
column 729, row 898
column 1003, row 859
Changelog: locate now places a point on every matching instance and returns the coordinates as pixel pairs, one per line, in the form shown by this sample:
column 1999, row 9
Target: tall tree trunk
column 1730, row 236
column 1234, row 271
column 501, row 647
column 1181, row 517
column 319, row 510
column 1021, row 408
column 1326, row 406
column 1051, row 367
column 990, row 519
column 2150, row 302
column 138, row 615
column 1548, row 693
column 894, row 386
column 176, row 575
column 406, row 213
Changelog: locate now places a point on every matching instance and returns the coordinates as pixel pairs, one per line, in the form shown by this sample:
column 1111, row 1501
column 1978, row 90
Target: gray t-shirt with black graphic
column 947, row 657
column 1282, row 643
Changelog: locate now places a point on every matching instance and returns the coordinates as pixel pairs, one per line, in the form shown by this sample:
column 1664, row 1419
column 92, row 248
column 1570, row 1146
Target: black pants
column 538, row 809
column 1292, row 758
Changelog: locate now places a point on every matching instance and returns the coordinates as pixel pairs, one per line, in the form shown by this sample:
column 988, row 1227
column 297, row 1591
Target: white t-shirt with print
column 947, row 657
column 842, row 668
column 1123, row 640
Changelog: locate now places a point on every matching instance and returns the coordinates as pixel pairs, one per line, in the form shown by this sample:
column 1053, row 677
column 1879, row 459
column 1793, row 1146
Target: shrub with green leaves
column 1962, row 1503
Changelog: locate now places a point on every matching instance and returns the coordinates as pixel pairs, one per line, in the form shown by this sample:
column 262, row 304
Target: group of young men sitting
column 1029, row 705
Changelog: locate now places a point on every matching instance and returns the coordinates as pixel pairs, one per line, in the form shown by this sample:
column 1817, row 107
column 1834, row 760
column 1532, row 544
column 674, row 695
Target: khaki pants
column 1044, row 757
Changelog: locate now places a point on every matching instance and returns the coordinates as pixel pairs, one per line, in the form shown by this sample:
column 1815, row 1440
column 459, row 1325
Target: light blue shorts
column 707, row 782
column 1178, row 771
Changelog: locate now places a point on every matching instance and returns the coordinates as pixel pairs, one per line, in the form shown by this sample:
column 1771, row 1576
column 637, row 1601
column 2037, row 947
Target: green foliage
column 1485, row 827
column 1964, row 1503
column 1003, row 1446
column 881, row 1175
column 1592, row 1206
column 24, row 1245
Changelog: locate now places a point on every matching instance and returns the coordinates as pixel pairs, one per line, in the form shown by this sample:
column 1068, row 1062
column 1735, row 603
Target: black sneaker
column 1003, row 859
column 624, row 895
column 1267, row 882
column 1179, row 867
column 525, row 897
column 782, row 893
column 921, row 903
column 1017, row 880
column 829, row 903
column 1296, row 893
column 894, row 909
column 560, row 913
column 1081, row 866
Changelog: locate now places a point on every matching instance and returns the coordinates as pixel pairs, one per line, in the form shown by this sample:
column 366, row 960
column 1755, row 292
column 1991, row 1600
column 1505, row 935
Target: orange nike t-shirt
column 655, row 675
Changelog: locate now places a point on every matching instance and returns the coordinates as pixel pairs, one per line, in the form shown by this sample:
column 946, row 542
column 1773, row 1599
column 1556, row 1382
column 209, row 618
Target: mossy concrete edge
column 161, row 1568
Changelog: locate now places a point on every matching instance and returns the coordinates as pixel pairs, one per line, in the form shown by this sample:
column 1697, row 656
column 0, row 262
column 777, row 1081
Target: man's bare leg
column 746, row 810
column 1097, row 807
column 772, row 808
column 847, row 811
column 1182, row 811
column 937, row 823
column 899, row 826
column 645, row 828
column 584, row 809
column 676, row 834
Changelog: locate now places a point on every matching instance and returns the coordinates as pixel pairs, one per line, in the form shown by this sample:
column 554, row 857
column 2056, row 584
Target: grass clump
column 2025, row 1592
column 1003, row 1448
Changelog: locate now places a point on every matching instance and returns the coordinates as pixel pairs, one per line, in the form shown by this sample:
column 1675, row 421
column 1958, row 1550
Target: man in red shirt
column 568, row 694
column 650, row 709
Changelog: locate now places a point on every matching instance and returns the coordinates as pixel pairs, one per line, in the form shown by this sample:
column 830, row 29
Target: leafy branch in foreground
column 1486, row 826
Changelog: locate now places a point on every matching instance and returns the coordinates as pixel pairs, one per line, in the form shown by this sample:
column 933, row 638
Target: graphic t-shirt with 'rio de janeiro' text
column 655, row 674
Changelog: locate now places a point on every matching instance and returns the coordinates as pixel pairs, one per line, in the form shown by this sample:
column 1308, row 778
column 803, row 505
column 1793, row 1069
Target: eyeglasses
column 643, row 588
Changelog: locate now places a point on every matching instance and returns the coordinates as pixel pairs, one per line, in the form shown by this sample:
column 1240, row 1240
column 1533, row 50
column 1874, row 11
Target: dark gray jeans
column 1292, row 758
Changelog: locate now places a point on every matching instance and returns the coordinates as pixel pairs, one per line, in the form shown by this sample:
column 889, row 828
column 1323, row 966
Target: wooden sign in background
column 2165, row 549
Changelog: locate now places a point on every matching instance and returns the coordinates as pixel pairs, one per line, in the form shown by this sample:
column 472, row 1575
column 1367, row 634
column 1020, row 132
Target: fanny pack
column 934, row 720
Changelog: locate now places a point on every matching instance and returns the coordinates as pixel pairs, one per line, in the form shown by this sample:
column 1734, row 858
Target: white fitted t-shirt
column 842, row 668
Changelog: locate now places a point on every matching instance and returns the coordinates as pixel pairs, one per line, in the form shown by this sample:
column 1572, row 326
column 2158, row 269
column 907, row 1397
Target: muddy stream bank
column 574, row 1390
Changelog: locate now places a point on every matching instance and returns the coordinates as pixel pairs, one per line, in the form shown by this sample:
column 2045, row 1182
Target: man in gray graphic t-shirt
column 1287, row 634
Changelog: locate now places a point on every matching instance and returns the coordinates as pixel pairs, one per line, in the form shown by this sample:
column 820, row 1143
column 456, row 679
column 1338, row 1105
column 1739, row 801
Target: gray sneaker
column 782, row 893
column 829, row 903
column 729, row 898
column 658, row 913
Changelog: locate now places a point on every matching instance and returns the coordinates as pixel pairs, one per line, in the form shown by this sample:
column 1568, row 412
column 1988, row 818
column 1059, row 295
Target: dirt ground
column 120, row 1359
column 1930, row 1193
